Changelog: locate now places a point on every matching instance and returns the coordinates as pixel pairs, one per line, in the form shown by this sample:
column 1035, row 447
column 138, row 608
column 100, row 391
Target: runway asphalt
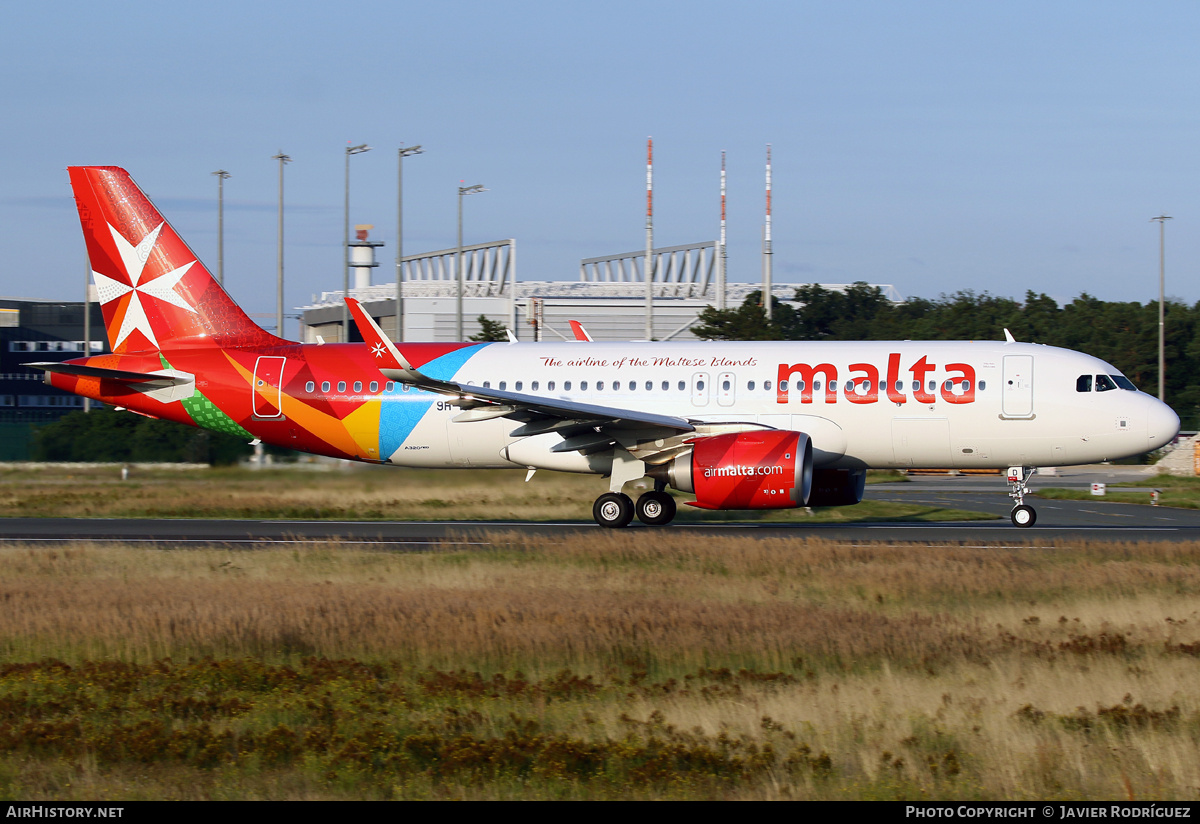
column 1057, row 520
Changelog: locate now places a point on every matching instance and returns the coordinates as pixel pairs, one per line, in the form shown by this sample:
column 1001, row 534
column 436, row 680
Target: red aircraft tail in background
column 153, row 291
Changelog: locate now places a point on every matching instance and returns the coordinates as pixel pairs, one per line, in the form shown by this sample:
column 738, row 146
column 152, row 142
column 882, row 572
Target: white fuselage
column 926, row 404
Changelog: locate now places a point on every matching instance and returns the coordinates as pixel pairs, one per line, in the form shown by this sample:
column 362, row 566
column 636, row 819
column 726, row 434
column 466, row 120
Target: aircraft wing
column 515, row 402
column 538, row 413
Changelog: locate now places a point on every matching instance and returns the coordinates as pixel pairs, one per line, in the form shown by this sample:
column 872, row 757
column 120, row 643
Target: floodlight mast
column 222, row 176
column 458, row 292
column 405, row 151
column 283, row 159
column 1162, row 369
column 350, row 150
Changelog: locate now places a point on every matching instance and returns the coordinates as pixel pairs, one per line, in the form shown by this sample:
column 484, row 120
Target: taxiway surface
column 1095, row 519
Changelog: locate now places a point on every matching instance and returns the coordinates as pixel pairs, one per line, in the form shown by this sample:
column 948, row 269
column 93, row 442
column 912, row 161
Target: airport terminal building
column 32, row 331
column 608, row 298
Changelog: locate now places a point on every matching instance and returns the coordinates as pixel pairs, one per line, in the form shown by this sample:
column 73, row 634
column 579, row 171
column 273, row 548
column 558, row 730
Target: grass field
column 365, row 494
column 609, row 667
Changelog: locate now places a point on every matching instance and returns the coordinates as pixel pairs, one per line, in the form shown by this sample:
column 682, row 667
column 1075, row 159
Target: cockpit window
column 1083, row 383
column 1124, row 382
column 1104, row 383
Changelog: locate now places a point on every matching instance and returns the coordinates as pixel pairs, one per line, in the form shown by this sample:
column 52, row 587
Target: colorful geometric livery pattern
column 167, row 318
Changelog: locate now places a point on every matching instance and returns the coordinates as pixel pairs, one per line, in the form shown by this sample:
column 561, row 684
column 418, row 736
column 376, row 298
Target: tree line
column 1124, row 334
column 109, row 436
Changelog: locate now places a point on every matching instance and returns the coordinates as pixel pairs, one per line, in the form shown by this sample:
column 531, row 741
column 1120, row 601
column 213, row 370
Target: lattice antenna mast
column 723, row 258
column 766, row 285
column 649, row 263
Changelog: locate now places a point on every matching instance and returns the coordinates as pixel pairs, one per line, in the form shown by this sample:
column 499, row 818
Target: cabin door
column 1018, row 386
column 267, row 391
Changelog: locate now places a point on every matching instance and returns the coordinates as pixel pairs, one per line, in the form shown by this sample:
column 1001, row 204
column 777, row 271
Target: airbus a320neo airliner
column 738, row 425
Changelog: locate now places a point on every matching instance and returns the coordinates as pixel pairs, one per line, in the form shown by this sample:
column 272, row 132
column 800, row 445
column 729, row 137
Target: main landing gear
column 656, row 508
column 613, row 510
column 1022, row 514
column 616, row 509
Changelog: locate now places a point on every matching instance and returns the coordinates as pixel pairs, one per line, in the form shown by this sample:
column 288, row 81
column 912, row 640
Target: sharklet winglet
column 580, row 332
column 398, row 367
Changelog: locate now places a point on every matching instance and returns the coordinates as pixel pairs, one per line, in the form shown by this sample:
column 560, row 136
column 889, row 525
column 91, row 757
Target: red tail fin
column 154, row 292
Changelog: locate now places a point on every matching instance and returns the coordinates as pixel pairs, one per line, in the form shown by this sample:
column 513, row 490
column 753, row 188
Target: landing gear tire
column 1023, row 516
column 656, row 509
column 613, row 510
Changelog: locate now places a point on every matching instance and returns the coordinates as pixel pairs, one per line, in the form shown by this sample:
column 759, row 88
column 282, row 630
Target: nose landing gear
column 1022, row 515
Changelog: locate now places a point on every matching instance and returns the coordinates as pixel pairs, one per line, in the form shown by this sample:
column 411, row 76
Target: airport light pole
column 458, row 262
column 283, row 160
column 1162, row 248
column 404, row 152
column 222, row 176
column 350, row 150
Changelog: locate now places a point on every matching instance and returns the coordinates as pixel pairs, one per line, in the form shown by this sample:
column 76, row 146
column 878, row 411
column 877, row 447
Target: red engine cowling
column 763, row 469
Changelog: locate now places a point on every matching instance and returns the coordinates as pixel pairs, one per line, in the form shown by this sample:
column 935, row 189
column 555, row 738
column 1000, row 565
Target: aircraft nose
column 1162, row 424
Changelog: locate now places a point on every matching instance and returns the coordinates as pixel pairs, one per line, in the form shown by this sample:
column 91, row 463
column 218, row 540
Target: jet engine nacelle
column 837, row 487
column 763, row 469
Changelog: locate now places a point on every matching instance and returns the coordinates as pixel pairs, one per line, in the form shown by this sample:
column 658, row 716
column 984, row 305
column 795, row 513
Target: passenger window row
column 630, row 386
column 1084, row 384
column 372, row 387
column 726, row 386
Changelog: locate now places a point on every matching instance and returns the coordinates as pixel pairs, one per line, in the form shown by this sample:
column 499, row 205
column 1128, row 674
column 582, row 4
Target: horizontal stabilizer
column 165, row 378
column 166, row 386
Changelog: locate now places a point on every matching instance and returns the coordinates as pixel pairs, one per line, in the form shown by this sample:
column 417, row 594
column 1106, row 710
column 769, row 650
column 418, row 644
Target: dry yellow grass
column 919, row 672
column 563, row 603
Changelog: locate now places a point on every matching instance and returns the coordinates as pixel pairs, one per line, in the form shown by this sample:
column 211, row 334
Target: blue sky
column 935, row 146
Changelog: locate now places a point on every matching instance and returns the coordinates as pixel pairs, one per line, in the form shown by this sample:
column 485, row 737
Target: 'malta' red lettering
column 966, row 378
column 919, row 370
column 862, row 386
column 807, row 373
column 893, row 380
column 869, row 384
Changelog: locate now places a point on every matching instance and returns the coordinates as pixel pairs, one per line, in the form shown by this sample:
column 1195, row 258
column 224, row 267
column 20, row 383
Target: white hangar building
column 609, row 298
